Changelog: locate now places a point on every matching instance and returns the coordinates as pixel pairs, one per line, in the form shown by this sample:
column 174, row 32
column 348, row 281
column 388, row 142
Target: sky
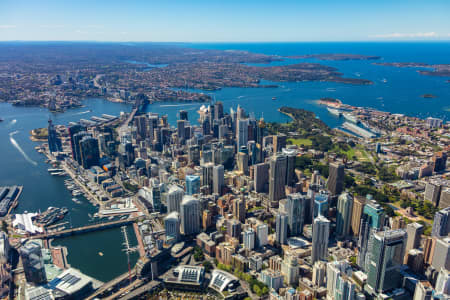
column 224, row 21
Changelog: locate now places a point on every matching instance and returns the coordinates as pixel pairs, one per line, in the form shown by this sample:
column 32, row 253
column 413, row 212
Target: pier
column 83, row 229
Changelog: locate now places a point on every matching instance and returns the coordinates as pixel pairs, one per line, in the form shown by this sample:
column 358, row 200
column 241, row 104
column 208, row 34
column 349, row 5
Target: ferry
column 55, row 170
column 58, row 173
column 274, row 98
column 384, row 80
column 76, row 200
column 334, row 111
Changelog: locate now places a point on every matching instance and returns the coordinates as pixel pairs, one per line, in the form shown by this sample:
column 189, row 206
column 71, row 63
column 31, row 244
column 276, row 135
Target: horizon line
column 230, row 42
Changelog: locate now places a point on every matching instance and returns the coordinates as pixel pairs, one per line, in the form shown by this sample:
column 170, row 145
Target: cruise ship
column 334, row 111
column 351, row 117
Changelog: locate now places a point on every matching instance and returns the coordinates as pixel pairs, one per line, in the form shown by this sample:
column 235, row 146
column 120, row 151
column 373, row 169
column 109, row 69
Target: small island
column 428, row 96
column 442, row 70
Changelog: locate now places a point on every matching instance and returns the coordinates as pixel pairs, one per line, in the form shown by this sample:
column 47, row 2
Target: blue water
column 27, row 167
column 400, row 94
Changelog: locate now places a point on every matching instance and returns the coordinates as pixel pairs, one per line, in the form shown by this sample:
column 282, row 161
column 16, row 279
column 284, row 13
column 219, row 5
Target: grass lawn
column 300, row 142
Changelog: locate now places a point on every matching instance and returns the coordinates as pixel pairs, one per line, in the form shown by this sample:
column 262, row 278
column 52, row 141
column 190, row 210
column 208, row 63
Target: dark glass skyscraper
column 277, row 177
column 54, row 142
column 90, row 153
column 385, row 260
column 74, row 129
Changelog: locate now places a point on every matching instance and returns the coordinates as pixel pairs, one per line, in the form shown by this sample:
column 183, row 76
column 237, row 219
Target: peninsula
column 336, row 57
column 60, row 76
column 442, row 70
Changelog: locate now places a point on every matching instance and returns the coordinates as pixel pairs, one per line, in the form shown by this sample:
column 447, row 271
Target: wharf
column 139, row 239
column 16, row 201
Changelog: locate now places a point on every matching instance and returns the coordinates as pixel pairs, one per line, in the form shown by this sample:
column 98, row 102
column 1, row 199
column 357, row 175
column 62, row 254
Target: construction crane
column 127, row 249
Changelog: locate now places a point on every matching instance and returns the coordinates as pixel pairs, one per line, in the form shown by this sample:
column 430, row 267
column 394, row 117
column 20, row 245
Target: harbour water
column 21, row 164
column 399, row 93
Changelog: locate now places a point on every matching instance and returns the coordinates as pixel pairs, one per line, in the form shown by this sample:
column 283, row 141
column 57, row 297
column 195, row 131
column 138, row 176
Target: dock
column 15, row 202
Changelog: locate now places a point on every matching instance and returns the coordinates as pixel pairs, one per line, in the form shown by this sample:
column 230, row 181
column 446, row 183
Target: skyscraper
column 442, row 286
column 321, row 204
column 249, row 239
column 174, row 198
column 281, row 228
column 172, row 227
column 423, row 291
column 261, row 177
column 321, row 232
column 290, row 169
column 374, row 213
column 295, row 209
column 338, row 287
column 218, row 179
column 345, row 289
column 33, row 262
column 433, row 192
column 279, row 142
column 192, row 184
column 441, row 223
column 414, row 232
column 207, row 175
column 385, row 260
column 77, row 137
column 262, row 231
column 440, row 161
column 441, row 257
column 239, row 210
column 90, row 153
column 358, row 207
column 242, row 133
column 183, row 115
column 336, row 178
column 218, row 110
column 190, row 215
column 344, row 214
column 181, row 124
column 74, row 129
column 141, row 126
column 54, row 142
column 277, row 179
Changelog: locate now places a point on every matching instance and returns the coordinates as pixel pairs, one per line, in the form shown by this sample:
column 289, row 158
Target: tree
column 208, row 265
column 198, row 254
column 257, row 290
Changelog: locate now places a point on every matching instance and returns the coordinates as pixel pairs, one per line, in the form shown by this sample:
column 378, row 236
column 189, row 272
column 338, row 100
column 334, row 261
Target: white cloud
column 426, row 35
column 51, row 26
column 7, row 26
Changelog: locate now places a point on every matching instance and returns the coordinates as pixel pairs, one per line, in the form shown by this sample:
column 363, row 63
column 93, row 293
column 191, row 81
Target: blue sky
column 222, row 21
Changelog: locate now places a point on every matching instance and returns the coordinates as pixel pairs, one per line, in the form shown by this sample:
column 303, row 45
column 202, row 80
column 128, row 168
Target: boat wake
column 81, row 113
column 178, row 105
column 17, row 146
column 10, row 124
